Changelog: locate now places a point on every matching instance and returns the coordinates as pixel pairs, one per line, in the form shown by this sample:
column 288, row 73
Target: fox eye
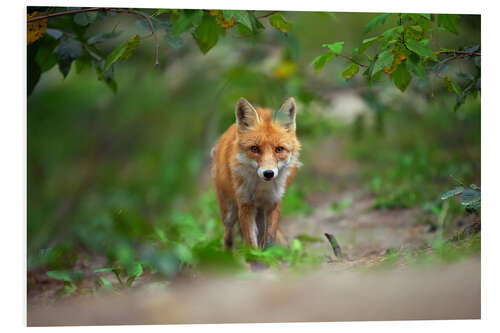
column 254, row 149
column 279, row 149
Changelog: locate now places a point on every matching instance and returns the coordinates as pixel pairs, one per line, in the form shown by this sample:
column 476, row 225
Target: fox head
column 266, row 139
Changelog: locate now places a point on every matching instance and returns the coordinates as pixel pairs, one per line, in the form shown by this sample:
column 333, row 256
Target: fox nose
column 268, row 174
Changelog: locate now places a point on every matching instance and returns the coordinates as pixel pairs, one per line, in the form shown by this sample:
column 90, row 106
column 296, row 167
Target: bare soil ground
column 337, row 291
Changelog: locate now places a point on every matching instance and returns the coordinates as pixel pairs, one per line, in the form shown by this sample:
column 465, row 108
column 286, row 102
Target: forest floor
column 354, row 287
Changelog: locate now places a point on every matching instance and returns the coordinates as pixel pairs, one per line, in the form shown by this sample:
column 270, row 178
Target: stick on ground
column 335, row 246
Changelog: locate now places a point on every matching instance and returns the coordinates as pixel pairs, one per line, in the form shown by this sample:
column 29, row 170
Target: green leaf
column 34, row 71
column 175, row 42
column 449, row 22
column 350, row 71
column 188, row 19
column 451, row 193
column 475, row 187
column 132, row 43
column 415, row 66
column 45, row 58
column 279, row 22
column 207, row 33
column 65, row 275
column 369, row 41
column 376, row 21
column 452, row 86
column 103, row 37
column 332, row 15
column 320, row 61
column 82, row 64
column 470, row 196
column 134, row 270
column 66, row 52
column 401, row 77
column 420, row 49
column 336, row 48
column 240, row 16
column 81, row 19
column 384, row 59
column 161, row 11
column 115, row 55
column 105, row 283
column 102, row 270
column 393, row 33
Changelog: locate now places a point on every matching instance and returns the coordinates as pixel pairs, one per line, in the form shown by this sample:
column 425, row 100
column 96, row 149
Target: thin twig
column 268, row 14
column 69, row 12
column 96, row 9
column 470, row 54
column 351, row 59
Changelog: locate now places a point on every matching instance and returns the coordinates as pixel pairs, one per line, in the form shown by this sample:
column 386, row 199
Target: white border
column 13, row 166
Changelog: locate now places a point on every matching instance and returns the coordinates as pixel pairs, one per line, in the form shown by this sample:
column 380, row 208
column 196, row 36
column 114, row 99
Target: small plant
column 70, row 279
column 470, row 197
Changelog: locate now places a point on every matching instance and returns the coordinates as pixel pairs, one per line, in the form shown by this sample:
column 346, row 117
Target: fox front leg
column 272, row 216
column 248, row 226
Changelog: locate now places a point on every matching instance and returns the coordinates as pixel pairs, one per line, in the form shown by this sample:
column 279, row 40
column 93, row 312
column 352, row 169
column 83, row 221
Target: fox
column 253, row 163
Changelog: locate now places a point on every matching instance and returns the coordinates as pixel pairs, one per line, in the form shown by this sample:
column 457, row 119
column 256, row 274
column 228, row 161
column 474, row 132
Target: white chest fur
column 254, row 190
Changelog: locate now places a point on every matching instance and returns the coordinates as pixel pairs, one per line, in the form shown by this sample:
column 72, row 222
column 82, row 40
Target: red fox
column 253, row 163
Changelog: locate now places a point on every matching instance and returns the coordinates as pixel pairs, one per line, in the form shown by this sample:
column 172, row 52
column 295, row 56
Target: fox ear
column 286, row 114
column 246, row 115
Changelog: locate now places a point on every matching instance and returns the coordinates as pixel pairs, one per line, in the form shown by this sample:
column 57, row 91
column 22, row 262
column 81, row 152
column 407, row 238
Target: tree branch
column 268, row 14
column 470, row 54
column 352, row 60
column 96, row 9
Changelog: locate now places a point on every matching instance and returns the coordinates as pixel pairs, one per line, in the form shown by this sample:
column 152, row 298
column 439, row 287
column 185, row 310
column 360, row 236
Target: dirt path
column 363, row 234
column 335, row 292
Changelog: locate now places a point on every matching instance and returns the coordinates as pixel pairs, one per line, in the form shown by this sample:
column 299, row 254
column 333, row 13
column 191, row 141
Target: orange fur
column 241, row 173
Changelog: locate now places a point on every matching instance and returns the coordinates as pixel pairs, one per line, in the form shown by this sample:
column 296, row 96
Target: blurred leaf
column 66, row 52
column 319, row 61
column 134, row 270
column 384, row 59
column 279, row 22
column 131, row 45
column 350, row 71
column 369, row 41
column 475, row 187
column 207, row 33
column 103, row 37
column 161, row 11
column 102, row 270
column 415, row 66
column 449, row 22
column 45, row 58
column 82, row 64
column 451, row 193
column 469, row 197
column 36, row 29
column 401, row 77
column 105, row 283
column 175, row 41
column 392, row 33
column 332, row 15
column 119, row 51
column 81, row 19
column 376, row 21
column 54, row 33
column 420, row 49
column 452, row 86
column 336, row 48
column 65, row 275
column 240, row 16
column 186, row 21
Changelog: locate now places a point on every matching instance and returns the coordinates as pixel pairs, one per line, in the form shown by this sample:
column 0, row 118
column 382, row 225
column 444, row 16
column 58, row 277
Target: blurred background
column 118, row 182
